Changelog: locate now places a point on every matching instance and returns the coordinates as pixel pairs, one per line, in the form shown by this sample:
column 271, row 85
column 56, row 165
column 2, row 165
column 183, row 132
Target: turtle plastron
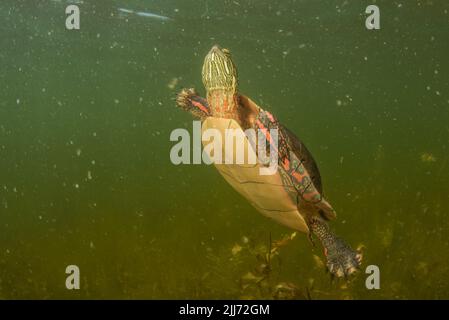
column 266, row 193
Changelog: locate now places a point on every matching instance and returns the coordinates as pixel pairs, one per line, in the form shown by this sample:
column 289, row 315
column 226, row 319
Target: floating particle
column 236, row 249
column 428, row 157
column 172, row 84
column 386, row 237
column 422, row 268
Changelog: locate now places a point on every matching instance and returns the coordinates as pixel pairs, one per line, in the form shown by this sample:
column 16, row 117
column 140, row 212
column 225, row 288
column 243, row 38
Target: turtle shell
column 290, row 196
column 293, row 193
column 296, row 164
column 269, row 194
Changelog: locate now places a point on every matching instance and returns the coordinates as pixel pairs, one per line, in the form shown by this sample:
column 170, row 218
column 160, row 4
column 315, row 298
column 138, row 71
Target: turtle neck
column 223, row 104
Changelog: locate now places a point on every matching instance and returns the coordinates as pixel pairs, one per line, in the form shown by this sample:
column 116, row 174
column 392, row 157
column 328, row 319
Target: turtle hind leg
column 342, row 260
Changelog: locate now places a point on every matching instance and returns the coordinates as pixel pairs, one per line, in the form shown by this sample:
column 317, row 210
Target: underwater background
column 85, row 171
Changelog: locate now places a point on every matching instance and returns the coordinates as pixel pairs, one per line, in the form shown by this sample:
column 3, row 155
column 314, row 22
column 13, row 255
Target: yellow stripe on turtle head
column 219, row 71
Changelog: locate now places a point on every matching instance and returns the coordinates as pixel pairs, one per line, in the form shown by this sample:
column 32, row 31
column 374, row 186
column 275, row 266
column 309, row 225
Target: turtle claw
column 182, row 98
column 342, row 260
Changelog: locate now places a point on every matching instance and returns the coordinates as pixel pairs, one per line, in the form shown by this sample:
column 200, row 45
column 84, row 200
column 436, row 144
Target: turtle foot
column 183, row 99
column 342, row 260
column 190, row 101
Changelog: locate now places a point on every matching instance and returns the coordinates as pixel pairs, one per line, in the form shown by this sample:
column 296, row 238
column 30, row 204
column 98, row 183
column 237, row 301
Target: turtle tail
column 326, row 210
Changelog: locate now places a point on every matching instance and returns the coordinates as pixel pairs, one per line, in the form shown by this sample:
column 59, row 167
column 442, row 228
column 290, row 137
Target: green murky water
column 86, row 178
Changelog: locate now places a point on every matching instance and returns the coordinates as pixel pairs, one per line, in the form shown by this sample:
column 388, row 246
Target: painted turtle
column 293, row 195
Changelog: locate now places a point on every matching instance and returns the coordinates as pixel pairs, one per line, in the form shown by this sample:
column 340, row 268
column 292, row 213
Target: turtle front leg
column 342, row 260
column 190, row 101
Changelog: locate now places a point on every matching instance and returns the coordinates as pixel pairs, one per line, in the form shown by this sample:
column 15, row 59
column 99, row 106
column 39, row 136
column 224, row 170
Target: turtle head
column 219, row 71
